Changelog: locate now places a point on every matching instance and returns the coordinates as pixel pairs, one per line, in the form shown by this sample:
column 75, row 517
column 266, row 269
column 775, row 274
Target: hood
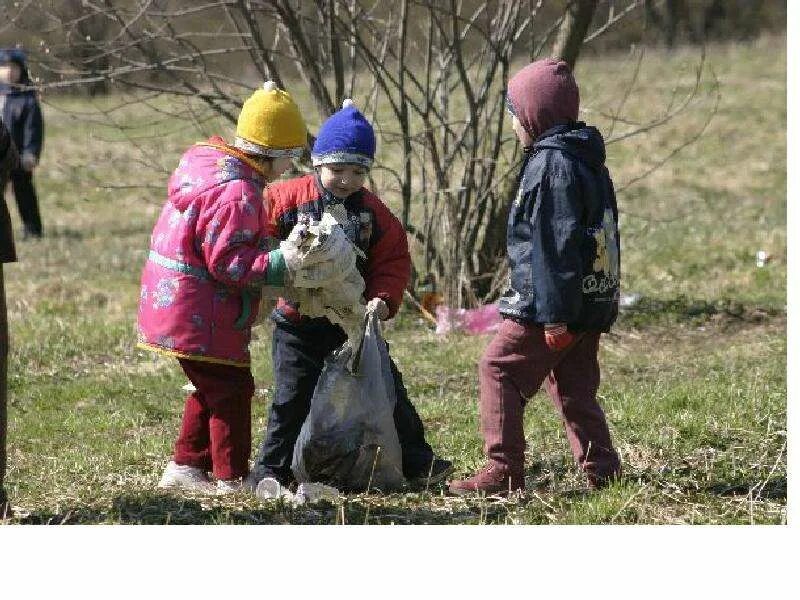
column 17, row 56
column 542, row 95
column 203, row 167
column 580, row 140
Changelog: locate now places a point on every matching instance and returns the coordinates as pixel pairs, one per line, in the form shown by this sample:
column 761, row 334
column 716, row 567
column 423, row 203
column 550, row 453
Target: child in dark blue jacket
column 563, row 253
column 23, row 117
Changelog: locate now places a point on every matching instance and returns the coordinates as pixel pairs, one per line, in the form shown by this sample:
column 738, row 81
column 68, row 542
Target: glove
column 379, row 307
column 29, row 161
column 557, row 336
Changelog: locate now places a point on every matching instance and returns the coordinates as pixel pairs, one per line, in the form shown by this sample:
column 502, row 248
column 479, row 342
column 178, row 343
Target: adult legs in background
column 3, row 392
column 27, row 202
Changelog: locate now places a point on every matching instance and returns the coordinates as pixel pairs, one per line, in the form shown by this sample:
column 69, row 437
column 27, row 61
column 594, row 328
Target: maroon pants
column 215, row 433
column 514, row 366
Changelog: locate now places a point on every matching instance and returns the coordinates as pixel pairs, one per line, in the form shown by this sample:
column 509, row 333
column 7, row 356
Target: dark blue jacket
column 563, row 238
column 21, row 112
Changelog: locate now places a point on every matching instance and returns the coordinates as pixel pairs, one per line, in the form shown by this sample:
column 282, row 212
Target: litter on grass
column 474, row 321
column 307, row 493
column 629, row 300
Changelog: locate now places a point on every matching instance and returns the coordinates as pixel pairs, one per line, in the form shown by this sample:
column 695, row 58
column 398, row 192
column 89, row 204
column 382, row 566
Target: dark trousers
column 28, row 204
column 298, row 354
column 514, row 366
column 3, row 388
column 215, row 433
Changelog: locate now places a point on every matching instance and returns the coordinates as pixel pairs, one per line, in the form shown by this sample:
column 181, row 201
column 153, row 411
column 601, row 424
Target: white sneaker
column 186, row 478
column 229, row 486
column 270, row 488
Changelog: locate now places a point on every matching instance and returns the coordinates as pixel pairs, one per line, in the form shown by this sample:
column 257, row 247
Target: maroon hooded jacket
column 372, row 227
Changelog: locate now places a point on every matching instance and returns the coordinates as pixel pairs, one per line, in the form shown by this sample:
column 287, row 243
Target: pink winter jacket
column 209, row 257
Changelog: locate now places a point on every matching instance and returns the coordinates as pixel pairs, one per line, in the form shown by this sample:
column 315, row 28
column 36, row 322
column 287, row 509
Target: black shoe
column 436, row 473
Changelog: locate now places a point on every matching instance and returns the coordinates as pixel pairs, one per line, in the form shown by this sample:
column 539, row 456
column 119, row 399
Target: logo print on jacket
column 606, row 262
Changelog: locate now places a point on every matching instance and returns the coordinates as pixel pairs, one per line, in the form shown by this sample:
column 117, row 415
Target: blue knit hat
column 346, row 137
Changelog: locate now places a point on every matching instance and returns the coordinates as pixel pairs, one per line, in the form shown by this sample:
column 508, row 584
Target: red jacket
column 372, row 227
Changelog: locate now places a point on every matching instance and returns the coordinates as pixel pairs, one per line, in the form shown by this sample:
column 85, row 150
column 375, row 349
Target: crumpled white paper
column 341, row 301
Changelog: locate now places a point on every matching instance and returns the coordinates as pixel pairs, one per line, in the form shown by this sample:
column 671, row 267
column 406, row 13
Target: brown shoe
column 599, row 481
column 493, row 479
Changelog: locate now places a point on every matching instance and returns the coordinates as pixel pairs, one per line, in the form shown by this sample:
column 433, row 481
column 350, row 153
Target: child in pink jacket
column 209, row 258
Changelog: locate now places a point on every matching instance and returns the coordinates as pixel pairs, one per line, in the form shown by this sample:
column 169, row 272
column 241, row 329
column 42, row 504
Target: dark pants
column 3, row 388
column 298, row 354
column 514, row 366
column 215, row 433
column 28, row 204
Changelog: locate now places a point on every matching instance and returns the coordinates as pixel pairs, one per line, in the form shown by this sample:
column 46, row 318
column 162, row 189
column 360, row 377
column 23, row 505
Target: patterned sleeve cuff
column 276, row 269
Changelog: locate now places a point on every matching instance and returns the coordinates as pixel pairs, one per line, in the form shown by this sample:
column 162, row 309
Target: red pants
column 514, row 366
column 215, row 434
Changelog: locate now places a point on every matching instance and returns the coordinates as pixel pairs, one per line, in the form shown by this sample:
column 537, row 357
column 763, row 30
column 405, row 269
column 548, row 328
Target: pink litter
column 473, row 321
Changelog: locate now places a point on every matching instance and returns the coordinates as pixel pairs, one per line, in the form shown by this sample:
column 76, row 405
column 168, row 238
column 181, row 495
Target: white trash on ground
column 762, row 258
column 309, row 493
column 629, row 300
column 270, row 489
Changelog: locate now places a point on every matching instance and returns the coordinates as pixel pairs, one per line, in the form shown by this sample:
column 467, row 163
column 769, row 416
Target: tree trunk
column 569, row 40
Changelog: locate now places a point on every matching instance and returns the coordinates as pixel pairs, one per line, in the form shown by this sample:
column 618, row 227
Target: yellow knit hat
column 270, row 124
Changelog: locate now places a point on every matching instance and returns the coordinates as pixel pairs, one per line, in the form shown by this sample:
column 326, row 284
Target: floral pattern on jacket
column 208, row 259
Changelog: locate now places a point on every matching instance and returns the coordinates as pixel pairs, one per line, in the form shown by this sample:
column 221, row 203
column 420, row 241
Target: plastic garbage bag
column 349, row 438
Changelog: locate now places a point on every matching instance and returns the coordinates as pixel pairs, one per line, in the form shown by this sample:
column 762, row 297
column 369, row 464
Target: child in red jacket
column 342, row 155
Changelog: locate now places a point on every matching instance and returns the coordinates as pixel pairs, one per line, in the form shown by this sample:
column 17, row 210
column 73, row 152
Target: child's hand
column 557, row 336
column 379, row 307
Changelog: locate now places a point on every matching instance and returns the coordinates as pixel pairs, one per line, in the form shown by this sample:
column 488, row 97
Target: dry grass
column 694, row 380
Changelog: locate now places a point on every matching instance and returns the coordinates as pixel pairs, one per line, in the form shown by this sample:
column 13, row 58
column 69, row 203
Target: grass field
column 694, row 379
